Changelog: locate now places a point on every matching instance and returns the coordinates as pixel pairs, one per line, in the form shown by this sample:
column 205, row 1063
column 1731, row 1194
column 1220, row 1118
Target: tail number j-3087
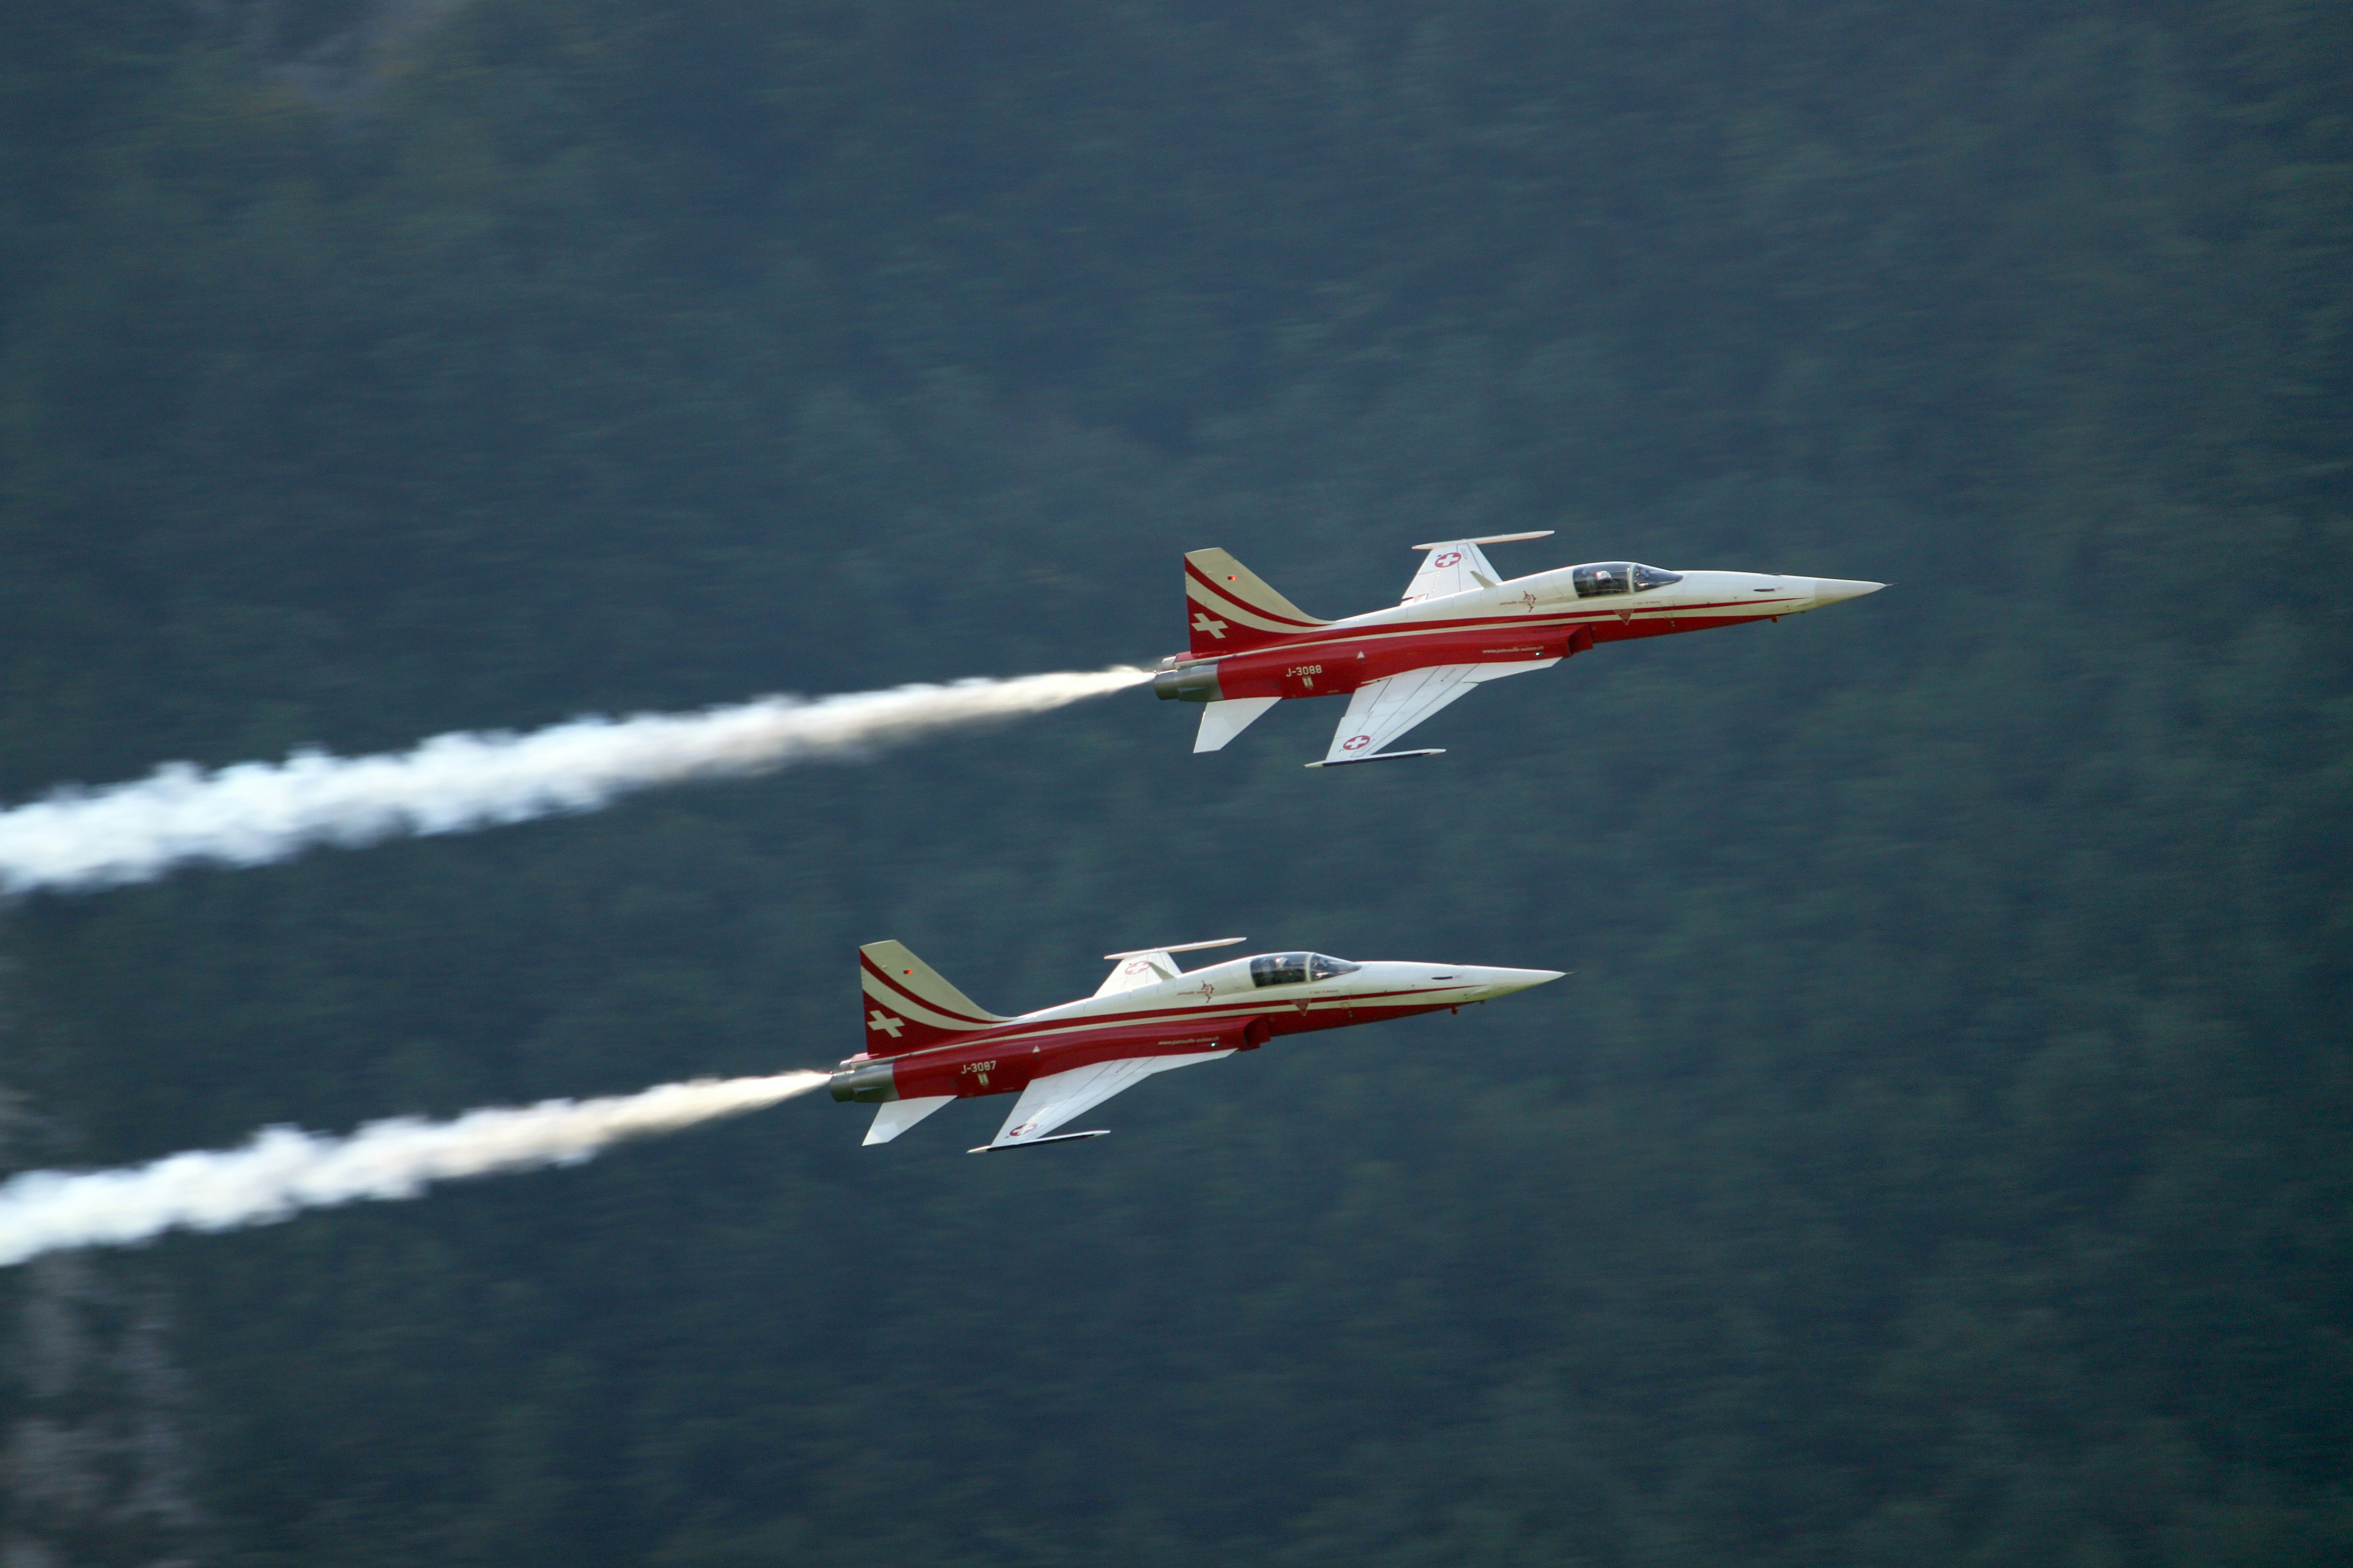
column 979, row 1070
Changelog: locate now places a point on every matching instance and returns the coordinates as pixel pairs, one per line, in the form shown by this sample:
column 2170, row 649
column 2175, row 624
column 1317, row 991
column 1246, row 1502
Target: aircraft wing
column 1053, row 1100
column 1453, row 565
column 1138, row 968
column 1383, row 710
column 1448, row 568
column 1151, row 965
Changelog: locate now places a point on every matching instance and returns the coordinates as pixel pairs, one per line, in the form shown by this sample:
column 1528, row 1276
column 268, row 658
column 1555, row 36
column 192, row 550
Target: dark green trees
column 1939, row 1155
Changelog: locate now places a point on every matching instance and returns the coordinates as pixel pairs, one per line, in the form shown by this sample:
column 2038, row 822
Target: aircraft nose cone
column 1504, row 981
column 1831, row 590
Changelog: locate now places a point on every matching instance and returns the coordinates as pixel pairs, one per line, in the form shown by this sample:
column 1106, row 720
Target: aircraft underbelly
column 1339, row 667
column 1011, row 1065
column 1329, row 1015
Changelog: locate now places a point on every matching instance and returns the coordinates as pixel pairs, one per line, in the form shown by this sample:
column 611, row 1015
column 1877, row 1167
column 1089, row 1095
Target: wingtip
column 1490, row 539
column 1180, row 947
column 1040, row 1143
column 1376, row 757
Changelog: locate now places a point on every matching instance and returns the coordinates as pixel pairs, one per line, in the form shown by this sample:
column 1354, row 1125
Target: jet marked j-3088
column 1458, row 625
column 927, row 1045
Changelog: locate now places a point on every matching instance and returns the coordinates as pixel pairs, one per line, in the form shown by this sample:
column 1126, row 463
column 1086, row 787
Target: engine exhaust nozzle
column 869, row 1085
column 1187, row 683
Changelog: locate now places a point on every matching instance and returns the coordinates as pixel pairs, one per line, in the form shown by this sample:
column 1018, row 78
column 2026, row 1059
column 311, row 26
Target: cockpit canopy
column 1296, row 968
column 1620, row 577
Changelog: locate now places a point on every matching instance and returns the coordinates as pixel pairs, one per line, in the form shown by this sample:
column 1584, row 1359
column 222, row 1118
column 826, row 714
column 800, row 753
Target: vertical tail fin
column 1232, row 608
column 908, row 1006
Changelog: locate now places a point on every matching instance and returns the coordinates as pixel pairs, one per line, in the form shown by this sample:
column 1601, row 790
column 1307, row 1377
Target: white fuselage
column 1547, row 595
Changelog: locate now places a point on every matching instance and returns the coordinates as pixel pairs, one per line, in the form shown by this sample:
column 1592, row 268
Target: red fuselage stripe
column 1065, row 1030
column 971, row 1070
column 1331, row 632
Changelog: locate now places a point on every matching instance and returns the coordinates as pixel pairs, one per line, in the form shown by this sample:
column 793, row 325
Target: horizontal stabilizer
column 1033, row 1143
column 1221, row 721
column 1379, row 757
column 896, row 1116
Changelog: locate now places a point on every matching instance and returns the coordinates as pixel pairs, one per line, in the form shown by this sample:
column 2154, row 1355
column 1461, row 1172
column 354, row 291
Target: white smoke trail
column 284, row 1170
column 252, row 813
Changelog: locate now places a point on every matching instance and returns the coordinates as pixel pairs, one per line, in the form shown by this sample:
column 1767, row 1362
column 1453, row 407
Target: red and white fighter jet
column 927, row 1044
column 1459, row 623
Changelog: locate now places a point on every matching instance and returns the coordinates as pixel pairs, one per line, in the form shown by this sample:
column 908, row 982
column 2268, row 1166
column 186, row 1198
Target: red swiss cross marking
column 1451, row 558
column 1356, row 743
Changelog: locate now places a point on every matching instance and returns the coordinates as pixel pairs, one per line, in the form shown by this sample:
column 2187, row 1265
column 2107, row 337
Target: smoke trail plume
column 284, row 1170
column 253, row 812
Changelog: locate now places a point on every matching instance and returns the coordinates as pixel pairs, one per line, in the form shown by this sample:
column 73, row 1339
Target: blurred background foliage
column 1939, row 1154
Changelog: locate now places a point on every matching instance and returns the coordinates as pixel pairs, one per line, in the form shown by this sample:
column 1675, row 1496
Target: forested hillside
column 1940, row 1152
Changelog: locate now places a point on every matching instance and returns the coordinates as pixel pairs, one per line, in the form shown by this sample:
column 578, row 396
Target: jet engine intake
column 1187, row 683
column 870, row 1085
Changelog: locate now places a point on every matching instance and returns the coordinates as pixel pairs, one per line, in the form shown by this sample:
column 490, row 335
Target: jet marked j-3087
column 1458, row 625
column 927, row 1045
